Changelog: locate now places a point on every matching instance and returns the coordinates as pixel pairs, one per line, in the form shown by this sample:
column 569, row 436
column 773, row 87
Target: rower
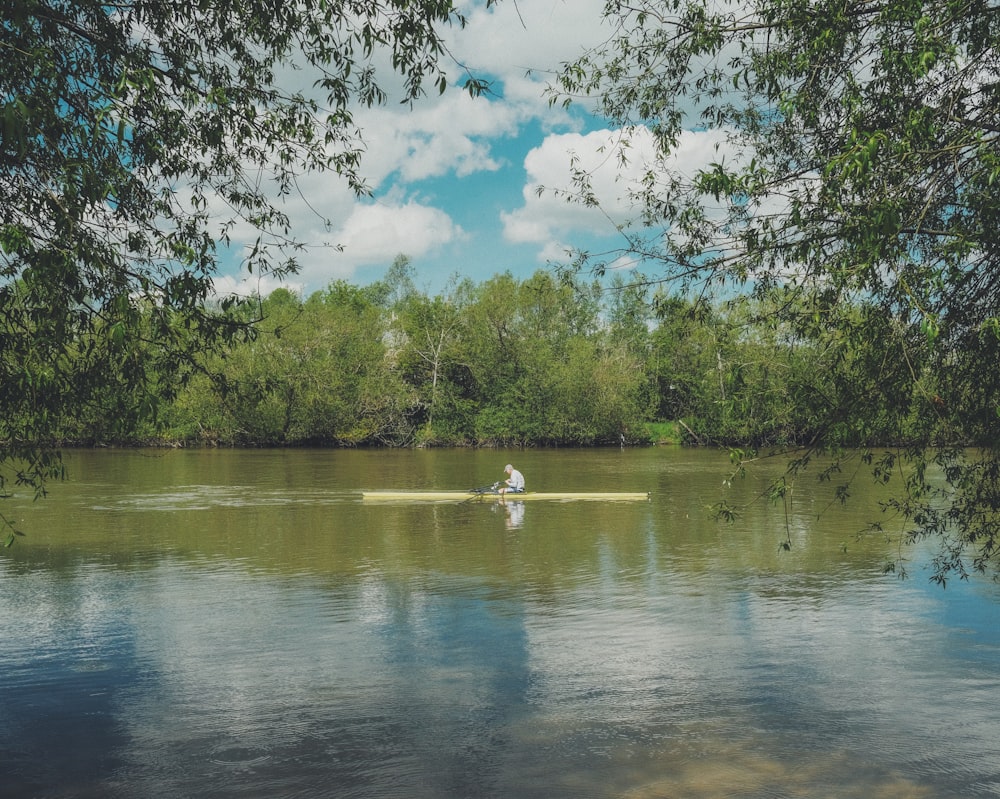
column 514, row 484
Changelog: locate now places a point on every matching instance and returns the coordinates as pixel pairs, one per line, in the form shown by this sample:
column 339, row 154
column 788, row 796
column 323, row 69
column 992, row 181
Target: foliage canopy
column 857, row 177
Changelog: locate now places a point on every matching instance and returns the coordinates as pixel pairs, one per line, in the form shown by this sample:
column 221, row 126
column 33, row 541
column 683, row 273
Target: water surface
column 230, row 623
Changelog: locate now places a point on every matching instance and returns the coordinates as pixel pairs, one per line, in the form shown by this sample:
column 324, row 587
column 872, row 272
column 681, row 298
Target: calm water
column 213, row 624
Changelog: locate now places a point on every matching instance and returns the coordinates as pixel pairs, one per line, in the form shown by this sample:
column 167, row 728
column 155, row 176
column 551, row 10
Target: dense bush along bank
column 509, row 362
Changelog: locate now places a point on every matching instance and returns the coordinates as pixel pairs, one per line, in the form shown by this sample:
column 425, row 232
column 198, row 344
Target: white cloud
column 449, row 136
column 453, row 133
column 373, row 230
column 547, row 217
column 511, row 38
column 375, row 234
column 523, row 44
column 369, row 234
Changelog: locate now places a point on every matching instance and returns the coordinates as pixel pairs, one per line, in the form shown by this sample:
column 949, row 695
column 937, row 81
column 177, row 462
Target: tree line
column 544, row 361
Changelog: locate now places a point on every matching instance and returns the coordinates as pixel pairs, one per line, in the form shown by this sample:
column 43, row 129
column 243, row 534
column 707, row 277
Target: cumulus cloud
column 373, row 230
column 450, row 136
column 549, row 213
column 521, row 47
column 375, row 233
column 369, row 234
column 515, row 38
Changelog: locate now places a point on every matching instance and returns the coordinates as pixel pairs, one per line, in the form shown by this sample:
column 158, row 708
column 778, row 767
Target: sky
column 455, row 179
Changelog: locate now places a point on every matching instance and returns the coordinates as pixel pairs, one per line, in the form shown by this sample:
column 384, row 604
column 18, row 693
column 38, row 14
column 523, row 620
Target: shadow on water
column 240, row 624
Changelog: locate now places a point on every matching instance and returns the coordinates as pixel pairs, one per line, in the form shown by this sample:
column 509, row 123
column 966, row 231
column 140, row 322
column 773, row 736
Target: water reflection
column 514, row 512
column 198, row 638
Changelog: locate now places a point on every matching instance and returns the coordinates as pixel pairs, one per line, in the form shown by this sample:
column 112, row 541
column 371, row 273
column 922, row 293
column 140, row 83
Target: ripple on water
column 204, row 497
column 239, row 756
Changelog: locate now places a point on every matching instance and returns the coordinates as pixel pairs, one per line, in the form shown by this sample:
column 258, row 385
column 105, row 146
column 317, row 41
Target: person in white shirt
column 514, row 484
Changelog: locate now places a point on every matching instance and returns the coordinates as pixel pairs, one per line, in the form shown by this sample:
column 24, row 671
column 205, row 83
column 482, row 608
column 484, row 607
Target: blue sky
column 455, row 178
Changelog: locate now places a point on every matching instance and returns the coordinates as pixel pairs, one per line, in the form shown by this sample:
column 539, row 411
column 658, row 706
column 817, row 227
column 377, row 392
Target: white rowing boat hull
column 468, row 496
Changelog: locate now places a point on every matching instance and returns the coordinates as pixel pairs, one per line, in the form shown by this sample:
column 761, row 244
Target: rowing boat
column 469, row 496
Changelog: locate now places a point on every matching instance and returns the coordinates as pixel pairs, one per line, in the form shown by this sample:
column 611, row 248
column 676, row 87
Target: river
column 223, row 623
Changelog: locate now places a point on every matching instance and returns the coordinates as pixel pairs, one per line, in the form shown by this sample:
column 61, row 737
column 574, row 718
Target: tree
column 858, row 169
column 538, row 370
column 317, row 372
column 134, row 139
column 430, row 329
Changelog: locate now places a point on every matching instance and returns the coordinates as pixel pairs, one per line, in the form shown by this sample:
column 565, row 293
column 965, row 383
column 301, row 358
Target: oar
column 484, row 489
